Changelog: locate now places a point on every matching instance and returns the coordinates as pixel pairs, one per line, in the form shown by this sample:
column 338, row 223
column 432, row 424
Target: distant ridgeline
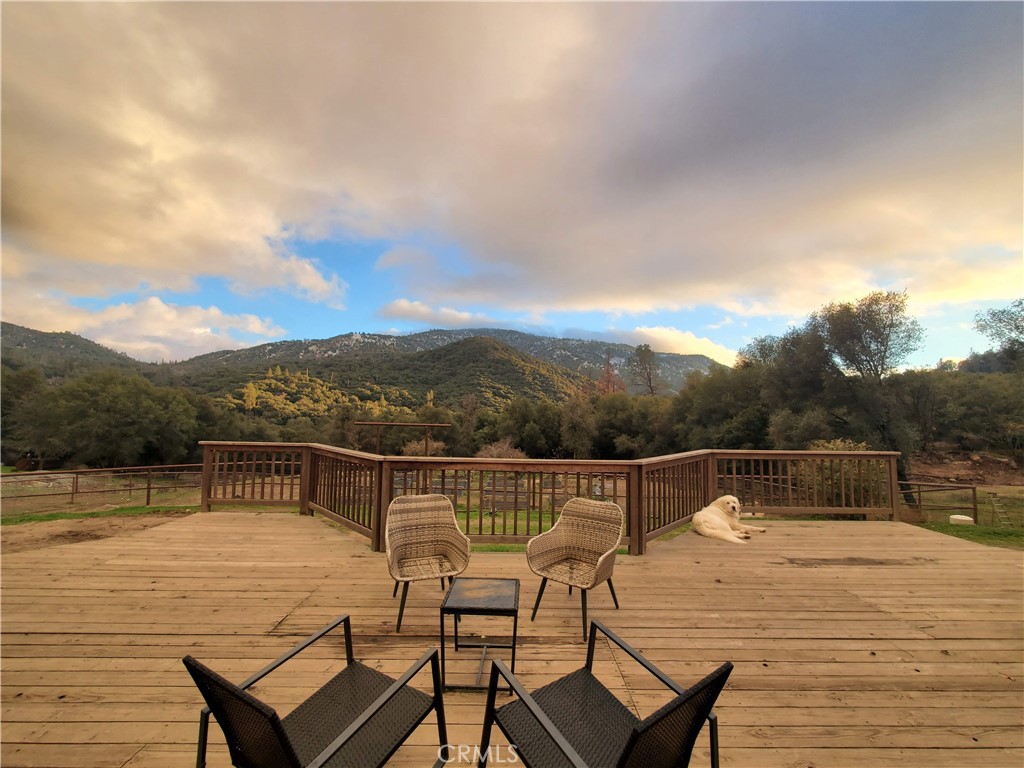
column 495, row 365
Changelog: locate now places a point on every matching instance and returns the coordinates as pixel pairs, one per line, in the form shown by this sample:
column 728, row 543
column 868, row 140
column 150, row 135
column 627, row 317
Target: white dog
column 721, row 520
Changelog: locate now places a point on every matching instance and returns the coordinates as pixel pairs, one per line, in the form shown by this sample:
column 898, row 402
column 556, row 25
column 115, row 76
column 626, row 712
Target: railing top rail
column 522, row 465
column 569, row 464
column 674, row 457
column 757, row 454
column 434, row 461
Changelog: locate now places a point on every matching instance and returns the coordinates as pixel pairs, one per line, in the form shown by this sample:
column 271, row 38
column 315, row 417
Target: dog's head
column 728, row 504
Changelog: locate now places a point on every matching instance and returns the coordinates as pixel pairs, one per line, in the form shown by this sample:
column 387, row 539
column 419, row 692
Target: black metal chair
column 576, row 721
column 358, row 718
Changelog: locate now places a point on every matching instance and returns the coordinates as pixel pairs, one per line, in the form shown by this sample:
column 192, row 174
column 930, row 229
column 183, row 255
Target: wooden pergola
column 427, row 430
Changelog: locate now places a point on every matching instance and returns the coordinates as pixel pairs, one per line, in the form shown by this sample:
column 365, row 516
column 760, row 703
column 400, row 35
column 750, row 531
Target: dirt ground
column 51, row 533
column 966, row 468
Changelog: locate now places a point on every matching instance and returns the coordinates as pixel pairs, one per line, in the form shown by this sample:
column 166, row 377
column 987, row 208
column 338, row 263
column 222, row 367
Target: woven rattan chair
column 578, row 550
column 358, row 718
column 577, row 722
column 423, row 541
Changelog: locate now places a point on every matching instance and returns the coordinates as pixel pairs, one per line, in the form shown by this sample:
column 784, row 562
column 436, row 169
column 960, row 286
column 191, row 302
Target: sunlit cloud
column 665, row 339
column 150, row 330
column 439, row 317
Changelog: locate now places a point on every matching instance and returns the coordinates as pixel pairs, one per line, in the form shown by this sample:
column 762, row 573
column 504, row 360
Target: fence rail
column 511, row 500
column 941, row 499
column 50, row 491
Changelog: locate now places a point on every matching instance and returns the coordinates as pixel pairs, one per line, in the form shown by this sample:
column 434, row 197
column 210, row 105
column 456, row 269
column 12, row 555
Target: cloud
column 667, row 339
column 624, row 158
column 405, row 257
column 441, row 317
column 150, row 330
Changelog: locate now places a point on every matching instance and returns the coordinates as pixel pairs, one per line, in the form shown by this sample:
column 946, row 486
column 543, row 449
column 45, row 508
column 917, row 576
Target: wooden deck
column 855, row 643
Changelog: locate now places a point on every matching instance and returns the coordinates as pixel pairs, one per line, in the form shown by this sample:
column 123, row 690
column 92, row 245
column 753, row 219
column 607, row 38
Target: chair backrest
column 665, row 739
column 590, row 527
column 420, row 526
column 255, row 736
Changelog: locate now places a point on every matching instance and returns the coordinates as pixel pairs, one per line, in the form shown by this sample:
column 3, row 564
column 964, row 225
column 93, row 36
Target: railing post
column 149, row 486
column 637, row 518
column 305, row 480
column 710, row 479
column 894, row 491
column 207, row 481
column 382, row 498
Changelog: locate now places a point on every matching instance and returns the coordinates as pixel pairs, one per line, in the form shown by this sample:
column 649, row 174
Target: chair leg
column 540, row 593
column 401, row 607
column 444, row 750
column 713, row 723
column 614, row 598
column 485, row 737
column 442, row 583
column 583, row 595
column 395, row 590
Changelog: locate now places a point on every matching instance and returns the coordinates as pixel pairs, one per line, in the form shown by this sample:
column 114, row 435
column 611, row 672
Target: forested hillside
column 356, row 357
column 836, row 380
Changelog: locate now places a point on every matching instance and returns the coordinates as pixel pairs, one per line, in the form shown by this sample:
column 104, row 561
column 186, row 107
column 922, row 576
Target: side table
column 480, row 597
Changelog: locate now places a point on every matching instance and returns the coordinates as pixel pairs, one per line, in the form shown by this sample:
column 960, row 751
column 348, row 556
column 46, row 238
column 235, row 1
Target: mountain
column 497, row 365
column 359, row 349
column 58, row 354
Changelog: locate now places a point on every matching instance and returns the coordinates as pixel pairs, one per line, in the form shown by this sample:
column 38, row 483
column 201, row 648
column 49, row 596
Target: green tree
column 722, row 408
column 20, row 387
column 250, row 396
column 579, row 427
column 1004, row 326
column 870, row 337
column 107, row 419
column 642, row 369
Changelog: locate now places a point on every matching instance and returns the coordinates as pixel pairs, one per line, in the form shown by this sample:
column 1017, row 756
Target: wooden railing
column 511, row 500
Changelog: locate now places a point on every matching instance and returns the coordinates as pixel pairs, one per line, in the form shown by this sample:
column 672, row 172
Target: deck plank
column 855, row 643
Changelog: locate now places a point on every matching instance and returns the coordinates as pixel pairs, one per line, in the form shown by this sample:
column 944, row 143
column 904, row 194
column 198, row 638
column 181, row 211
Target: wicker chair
column 423, row 541
column 576, row 721
column 579, row 550
column 358, row 718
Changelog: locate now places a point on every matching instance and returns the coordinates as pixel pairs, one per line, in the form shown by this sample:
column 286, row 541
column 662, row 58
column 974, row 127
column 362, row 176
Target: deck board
column 855, row 643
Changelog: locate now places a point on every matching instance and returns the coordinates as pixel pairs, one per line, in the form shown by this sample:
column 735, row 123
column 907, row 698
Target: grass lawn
column 118, row 512
column 1010, row 538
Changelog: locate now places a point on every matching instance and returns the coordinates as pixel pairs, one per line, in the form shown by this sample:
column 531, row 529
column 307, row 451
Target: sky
column 180, row 178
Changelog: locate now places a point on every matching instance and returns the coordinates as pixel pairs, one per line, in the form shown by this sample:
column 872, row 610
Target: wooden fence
column 511, row 500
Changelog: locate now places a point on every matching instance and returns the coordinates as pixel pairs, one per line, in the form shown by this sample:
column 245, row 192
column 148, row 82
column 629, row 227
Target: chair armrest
column 498, row 669
column 541, row 549
column 430, row 656
column 303, row 646
column 596, row 625
column 204, row 713
column 605, row 565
